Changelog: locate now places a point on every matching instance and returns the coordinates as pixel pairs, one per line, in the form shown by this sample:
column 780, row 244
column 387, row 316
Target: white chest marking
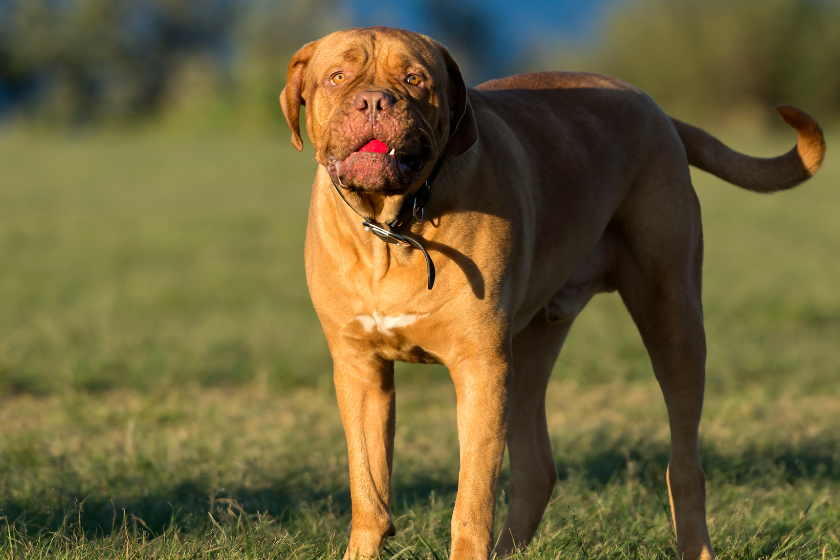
column 384, row 323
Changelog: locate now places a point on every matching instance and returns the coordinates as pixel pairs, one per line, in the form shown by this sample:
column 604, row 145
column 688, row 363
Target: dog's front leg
column 482, row 386
column 365, row 391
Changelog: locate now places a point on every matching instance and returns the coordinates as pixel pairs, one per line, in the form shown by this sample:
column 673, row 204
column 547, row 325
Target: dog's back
column 594, row 99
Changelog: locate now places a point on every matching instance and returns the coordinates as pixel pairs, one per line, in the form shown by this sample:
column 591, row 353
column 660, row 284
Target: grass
column 165, row 389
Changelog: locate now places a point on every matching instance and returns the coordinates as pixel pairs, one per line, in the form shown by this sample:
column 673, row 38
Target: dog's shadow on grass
column 290, row 500
column 817, row 459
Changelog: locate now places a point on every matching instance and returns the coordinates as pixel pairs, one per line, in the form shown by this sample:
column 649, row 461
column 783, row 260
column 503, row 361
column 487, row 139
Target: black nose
column 373, row 101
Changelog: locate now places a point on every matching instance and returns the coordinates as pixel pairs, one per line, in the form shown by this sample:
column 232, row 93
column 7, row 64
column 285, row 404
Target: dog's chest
column 386, row 324
column 406, row 337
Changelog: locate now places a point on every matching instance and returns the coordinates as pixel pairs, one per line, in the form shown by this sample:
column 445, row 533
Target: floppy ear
column 463, row 131
column 291, row 98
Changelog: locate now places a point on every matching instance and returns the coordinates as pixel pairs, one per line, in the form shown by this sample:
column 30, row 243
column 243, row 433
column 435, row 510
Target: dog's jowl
column 469, row 227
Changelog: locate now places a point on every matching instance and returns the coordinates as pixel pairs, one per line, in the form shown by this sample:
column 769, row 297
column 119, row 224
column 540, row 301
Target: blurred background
column 200, row 63
column 152, row 210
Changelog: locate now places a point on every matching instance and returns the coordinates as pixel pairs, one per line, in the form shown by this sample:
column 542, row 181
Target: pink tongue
column 375, row 146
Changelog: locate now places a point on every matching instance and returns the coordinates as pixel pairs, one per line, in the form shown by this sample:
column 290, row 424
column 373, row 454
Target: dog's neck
column 391, row 214
column 411, row 208
column 391, row 210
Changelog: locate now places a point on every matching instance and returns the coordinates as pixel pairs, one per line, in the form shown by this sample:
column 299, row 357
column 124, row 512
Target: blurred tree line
column 223, row 61
column 720, row 59
column 95, row 61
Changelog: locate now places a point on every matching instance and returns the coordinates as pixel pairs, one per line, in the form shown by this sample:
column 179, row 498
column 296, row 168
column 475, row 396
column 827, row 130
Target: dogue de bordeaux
column 468, row 227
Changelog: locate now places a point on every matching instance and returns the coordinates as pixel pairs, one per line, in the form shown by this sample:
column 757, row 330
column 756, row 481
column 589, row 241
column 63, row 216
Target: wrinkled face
column 380, row 104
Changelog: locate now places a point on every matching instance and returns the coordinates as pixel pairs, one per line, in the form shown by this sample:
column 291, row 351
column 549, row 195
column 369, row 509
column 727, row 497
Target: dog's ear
column 291, row 98
column 463, row 131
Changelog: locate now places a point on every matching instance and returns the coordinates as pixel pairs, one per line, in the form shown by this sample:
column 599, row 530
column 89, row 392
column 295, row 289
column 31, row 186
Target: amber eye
column 412, row 79
column 337, row 79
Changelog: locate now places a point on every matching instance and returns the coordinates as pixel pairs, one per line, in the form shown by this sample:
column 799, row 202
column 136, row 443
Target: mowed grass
column 166, row 390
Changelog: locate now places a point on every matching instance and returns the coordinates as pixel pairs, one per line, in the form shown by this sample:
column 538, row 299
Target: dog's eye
column 412, row 79
column 337, row 79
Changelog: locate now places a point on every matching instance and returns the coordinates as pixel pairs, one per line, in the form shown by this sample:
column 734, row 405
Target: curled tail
column 762, row 175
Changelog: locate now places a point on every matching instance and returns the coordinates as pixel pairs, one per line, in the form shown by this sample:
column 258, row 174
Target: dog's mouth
column 374, row 166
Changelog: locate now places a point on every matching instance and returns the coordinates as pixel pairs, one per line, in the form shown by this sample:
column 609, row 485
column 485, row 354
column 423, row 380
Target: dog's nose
column 373, row 101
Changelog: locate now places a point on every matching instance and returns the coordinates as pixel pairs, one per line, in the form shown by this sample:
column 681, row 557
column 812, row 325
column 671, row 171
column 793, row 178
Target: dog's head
column 382, row 105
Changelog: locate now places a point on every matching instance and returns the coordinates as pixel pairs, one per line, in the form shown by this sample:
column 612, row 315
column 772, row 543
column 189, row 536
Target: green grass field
column 165, row 389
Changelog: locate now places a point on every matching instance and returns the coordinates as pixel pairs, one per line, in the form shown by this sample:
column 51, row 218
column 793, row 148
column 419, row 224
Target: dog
column 468, row 227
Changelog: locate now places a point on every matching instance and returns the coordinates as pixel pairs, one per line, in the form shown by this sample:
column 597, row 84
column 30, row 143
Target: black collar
column 412, row 208
column 413, row 205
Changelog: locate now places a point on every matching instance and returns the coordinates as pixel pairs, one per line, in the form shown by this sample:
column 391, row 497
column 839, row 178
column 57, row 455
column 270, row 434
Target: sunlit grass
column 226, row 471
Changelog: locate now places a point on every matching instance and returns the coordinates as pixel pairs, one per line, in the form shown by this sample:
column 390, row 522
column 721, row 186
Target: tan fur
column 555, row 186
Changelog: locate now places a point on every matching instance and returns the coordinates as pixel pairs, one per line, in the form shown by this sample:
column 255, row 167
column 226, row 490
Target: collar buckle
column 385, row 235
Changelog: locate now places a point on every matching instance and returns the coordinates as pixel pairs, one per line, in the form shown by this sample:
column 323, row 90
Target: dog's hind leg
column 535, row 350
column 532, row 470
column 658, row 274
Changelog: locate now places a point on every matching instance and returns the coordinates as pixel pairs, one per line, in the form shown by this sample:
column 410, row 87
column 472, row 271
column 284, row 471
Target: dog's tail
column 762, row 175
